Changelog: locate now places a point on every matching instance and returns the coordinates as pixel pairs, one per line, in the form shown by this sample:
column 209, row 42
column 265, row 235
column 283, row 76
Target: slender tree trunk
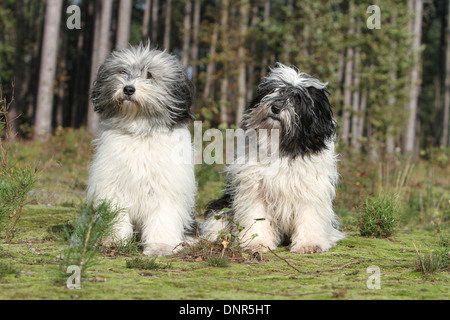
column 356, row 116
column 154, row 31
column 224, row 81
column 62, row 76
column 167, row 20
column 251, row 64
column 196, row 29
column 288, row 40
column 266, row 22
column 412, row 107
column 362, row 111
column 211, row 63
column 445, row 136
column 48, row 69
column 348, row 80
column 38, row 25
column 242, row 85
column 14, row 109
column 187, row 33
column 390, row 141
column 340, row 77
column 146, row 21
column 101, row 50
column 123, row 30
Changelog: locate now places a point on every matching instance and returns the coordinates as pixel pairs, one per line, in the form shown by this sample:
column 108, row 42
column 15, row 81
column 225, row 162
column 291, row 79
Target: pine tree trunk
column 445, row 136
column 251, row 64
column 412, row 107
column 101, row 50
column 154, row 31
column 266, row 22
column 167, row 20
column 288, row 40
column 242, row 85
column 146, row 21
column 356, row 116
column 43, row 123
column 123, row 30
column 211, row 63
column 224, row 81
column 348, row 81
column 195, row 30
column 187, row 33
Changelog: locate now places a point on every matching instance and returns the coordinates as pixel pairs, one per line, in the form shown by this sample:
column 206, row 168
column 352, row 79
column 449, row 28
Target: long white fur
column 135, row 166
column 141, row 176
column 296, row 202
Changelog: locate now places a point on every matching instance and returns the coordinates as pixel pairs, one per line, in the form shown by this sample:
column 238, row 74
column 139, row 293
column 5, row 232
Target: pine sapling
column 94, row 224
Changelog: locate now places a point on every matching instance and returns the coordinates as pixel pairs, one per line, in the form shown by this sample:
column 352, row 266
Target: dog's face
column 139, row 82
column 297, row 105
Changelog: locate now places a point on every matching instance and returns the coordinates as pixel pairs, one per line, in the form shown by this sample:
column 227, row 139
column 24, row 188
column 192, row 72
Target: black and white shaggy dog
column 144, row 98
column 295, row 203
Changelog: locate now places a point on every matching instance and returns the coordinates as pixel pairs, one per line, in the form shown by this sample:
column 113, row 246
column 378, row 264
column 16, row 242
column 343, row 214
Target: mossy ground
column 30, row 264
column 340, row 273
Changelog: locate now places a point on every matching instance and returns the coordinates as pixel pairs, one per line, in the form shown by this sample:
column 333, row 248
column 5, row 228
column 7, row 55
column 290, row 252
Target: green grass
column 30, row 263
column 340, row 273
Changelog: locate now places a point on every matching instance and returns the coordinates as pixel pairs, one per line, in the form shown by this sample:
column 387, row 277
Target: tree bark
column 154, row 31
column 266, row 23
column 357, row 118
column 101, row 50
column 412, row 107
column 187, row 33
column 224, row 81
column 445, row 136
column 123, row 30
column 146, row 21
column 167, row 20
column 348, row 80
column 195, row 30
column 48, row 69
column 211, row 63
column 242, row 85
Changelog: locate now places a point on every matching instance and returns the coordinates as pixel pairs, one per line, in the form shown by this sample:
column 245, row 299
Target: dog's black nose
column 275, row 109
column 129, row 90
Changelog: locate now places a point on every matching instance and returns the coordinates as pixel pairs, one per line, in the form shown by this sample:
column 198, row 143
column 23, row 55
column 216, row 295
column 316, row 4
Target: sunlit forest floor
column 30, row 261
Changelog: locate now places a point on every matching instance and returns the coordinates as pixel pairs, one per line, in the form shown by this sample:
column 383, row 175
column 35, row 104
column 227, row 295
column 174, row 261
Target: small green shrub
column 16, row 181
column 218, row 261
column 438, row 259
column 147, row 264
column 95, row 223
column 379, row 217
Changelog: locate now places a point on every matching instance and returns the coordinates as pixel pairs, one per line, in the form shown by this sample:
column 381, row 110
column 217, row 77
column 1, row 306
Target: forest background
column 388, row 68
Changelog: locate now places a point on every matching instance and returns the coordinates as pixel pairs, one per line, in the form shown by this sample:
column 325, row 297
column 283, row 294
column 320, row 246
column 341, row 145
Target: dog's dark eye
column 123, row 71
column 149, row 75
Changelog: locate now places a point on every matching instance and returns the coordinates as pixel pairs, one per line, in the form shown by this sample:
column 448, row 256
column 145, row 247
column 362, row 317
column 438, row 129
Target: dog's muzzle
column 129, row 90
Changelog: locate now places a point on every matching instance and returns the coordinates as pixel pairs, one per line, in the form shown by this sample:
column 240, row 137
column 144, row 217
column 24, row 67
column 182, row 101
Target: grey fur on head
column 140, row 83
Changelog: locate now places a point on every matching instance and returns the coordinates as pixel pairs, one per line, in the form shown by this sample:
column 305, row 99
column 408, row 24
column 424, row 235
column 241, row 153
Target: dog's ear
column 323, row 124
column 316, row 124
column 95, row 96
column 184, row 94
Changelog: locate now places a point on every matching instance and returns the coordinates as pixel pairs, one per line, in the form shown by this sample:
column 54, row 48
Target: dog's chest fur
column 294, row 184
column 140, row 171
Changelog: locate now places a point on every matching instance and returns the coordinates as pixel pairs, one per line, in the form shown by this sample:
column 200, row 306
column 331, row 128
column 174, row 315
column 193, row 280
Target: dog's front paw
column 259, row 247
column 158, row 250
column 306, row 249
column 311, row 246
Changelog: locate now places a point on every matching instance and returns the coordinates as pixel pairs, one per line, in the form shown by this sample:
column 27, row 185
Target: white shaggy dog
column 144, row 99
column 295, row 203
